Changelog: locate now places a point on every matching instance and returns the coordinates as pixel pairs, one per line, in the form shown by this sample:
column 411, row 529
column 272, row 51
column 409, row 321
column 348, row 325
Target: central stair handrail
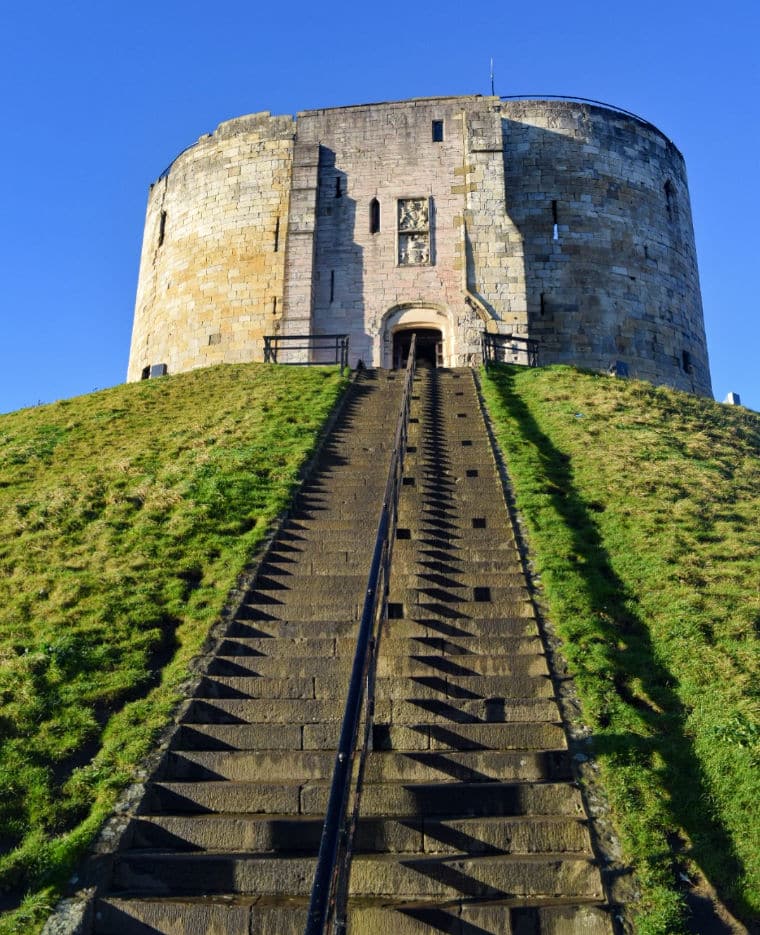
column 329, row 894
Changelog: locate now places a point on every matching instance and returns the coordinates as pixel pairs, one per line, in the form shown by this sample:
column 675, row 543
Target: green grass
column 642, row 507
column 125, row 519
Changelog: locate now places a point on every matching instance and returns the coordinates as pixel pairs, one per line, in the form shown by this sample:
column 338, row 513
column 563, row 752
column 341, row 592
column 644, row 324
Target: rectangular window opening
column 338, row 188
column 332, row 285
column 543, row 303
column 482, row 594
column 145, row 373
column 438, row 131
column 408, row 482
column 686, row 361
column 161, row 228
column 472, row 472
column 555, row 221
column 215, row 338
column 478, row 522
column 395, row 611
column 403, row 533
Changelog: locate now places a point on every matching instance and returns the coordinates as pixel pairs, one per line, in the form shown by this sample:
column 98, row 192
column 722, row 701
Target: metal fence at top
column 305, row 350
column 509, row 349
column 329, row 895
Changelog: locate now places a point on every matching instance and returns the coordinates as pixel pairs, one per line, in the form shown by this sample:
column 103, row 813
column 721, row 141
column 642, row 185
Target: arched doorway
column 429, row 347
column 433, row 326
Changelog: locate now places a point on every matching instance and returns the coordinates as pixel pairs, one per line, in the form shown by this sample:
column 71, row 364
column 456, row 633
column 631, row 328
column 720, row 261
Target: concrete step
column 278, row 586
column 282, row 667
column 456, row 628
column 255, row 711
column 448, row 714
column 379, row 800
column 274, row 629
column 416, row 766
column 462, row 648
column 415, row 736
column 441, row 877
column 462, row 688
column 257, row 916
column 279, row 834
column 432, row 664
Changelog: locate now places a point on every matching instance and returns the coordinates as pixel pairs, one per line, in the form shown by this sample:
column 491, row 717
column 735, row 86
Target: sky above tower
column 98, row 98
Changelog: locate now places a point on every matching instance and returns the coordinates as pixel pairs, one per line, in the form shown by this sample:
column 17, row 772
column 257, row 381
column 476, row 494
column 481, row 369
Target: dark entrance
column 429, row 347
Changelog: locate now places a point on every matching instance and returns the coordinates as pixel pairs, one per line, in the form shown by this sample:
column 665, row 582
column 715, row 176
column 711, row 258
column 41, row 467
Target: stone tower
column 563, row 221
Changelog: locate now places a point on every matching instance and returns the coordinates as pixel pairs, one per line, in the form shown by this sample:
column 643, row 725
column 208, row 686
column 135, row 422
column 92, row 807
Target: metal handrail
column 493, row 342
column 329, row 894
column 337, row 343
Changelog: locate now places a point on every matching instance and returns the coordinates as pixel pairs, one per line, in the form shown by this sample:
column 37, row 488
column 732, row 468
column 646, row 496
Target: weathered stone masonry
column 556, row 220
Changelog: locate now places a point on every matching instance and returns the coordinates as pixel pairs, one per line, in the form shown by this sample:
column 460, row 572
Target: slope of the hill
column 642, row 509
column 125, row 518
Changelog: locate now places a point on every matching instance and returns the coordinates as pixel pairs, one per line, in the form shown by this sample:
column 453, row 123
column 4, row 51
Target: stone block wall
column 617, row 278
column 213, row 259
column 565, row 222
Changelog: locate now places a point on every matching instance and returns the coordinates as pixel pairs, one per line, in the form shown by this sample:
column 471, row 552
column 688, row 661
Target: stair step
column 294, row 833
column 469, row 687
column 416, row 877
column 443, row 713
column 251, row 711
column 412, row 766
column 379, row 800
column 257, row 916
column 462, row 648
column 453, row 667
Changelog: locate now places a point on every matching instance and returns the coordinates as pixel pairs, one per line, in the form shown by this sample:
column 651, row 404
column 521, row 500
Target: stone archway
column 425, row 318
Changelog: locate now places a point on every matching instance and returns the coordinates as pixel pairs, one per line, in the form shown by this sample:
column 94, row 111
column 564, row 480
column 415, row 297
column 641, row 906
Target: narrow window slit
column 277, row 235
column 466, row 443
column 555, row 221
column 543, row 303
column 461, row 415
column 332, row 285
column 374, row 216
column 438, row 131
column 161, row 228
column 338, row 188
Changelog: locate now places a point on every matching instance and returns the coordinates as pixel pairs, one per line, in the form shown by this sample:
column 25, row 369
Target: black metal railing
column 320, row 349
column 509, row 349
column 329, row 895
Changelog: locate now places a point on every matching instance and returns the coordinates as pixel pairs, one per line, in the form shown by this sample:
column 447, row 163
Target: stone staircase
column 470, row 820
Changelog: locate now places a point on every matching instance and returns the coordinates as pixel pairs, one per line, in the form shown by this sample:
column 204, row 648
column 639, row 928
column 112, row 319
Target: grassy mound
column 125, row 518
column 643, row 513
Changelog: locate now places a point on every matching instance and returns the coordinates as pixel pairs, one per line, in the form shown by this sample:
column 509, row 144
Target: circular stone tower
column 564, row 221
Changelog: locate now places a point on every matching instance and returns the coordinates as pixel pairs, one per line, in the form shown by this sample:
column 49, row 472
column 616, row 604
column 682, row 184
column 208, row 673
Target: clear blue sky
column 98, row 97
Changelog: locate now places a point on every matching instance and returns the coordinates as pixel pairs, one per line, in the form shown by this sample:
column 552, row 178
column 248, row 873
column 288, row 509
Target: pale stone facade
column 561, row 221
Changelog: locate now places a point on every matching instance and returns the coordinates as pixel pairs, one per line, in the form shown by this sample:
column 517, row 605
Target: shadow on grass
column 615, row 652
